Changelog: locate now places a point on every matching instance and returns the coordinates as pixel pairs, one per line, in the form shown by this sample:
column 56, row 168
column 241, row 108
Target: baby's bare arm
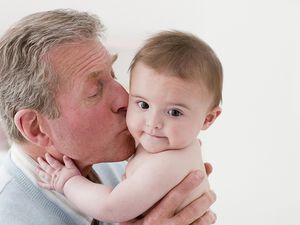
column 66, row 178
column 133, row 196
column 127, row 200
column 196, row 213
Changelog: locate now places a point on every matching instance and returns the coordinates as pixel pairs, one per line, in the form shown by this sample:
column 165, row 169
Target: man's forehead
column 84, row 60
column 77, row 47
column 71, row 54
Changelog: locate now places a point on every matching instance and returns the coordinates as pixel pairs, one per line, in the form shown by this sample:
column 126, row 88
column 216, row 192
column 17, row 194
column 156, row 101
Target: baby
column 175, row 91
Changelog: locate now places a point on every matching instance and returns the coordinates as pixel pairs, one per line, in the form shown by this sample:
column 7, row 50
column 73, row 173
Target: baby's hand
column 53, row 174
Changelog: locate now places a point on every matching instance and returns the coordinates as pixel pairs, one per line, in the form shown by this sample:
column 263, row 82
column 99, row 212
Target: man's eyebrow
column 94, row 74
column 98, row 73
column 114, row 58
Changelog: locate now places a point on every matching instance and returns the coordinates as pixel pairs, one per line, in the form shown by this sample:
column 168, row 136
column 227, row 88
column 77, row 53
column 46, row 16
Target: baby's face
column 165, row 112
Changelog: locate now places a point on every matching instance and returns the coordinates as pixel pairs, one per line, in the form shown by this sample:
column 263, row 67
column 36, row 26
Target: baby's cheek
column 177, row 138
column 129, row 122
column 132, row 125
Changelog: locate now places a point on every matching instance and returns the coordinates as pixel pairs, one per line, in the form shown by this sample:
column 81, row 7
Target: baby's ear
column 28, row 122
column 211, row 117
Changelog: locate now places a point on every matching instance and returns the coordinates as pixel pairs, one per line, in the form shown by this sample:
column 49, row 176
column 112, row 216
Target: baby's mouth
column 153, row 135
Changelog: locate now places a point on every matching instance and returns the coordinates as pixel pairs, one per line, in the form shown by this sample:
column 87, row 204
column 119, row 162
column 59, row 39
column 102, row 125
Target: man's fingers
column 196, row 209
column 208, row 168
column 179, row 193
column 133, row 222
column 207, row 219
column 53, row 162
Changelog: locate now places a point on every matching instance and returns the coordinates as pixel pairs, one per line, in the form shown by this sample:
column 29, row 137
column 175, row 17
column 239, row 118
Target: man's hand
column 208, row 168
column 196, row 213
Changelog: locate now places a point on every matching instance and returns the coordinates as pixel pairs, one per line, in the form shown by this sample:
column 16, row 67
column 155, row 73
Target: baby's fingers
column 69, row 162
column 53, row 162
column 45, row 185
column 45, row 166
column 44, row 176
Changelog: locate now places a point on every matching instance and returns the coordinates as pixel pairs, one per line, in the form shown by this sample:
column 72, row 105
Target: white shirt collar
column 27, row 165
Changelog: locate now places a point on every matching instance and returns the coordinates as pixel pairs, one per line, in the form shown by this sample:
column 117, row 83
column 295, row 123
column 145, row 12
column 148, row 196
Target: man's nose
column 120, row 98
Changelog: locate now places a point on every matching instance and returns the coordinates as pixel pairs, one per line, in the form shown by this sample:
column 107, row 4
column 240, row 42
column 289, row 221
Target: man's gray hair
column 26, row 78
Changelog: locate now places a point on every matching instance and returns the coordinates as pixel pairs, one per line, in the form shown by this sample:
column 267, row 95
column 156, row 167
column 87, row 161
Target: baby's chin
column 153, row 147
column 156, row 148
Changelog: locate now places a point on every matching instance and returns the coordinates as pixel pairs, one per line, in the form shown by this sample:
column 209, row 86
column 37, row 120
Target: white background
column 253, row 146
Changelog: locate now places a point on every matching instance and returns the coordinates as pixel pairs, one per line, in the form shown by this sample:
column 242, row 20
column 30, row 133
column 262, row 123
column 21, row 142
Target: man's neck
column 32, row 150
column 35, row 151
column 84, row 170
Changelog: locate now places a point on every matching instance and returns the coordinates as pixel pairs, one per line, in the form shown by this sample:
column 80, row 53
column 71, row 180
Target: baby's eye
column 143, row 105
column 174, row 112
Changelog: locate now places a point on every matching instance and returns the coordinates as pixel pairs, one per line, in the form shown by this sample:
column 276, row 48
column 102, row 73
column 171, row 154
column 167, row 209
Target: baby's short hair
column 185, row 56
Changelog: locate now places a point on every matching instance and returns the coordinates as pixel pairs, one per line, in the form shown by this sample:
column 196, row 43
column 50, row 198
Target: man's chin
column 126, row 155
column 128, row 150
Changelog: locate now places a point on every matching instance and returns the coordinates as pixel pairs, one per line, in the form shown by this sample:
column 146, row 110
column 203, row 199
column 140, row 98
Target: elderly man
column 59, row 95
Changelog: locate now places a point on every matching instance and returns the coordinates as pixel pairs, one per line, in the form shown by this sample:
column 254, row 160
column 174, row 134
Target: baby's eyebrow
column 137, row 96
column 176, row 104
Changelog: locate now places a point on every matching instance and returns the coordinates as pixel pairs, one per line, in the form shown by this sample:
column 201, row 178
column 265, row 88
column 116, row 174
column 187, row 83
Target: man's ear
column 28, row 122
column 211, row 117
